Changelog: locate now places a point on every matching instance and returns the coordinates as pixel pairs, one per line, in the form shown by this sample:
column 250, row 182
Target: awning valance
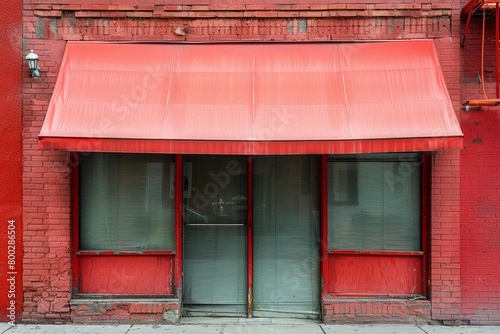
column 242, row 98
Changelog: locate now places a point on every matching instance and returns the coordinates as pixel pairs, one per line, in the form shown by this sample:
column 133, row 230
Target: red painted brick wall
column 47, row 187
column 445, row 237
column 480, row 182
column 47, row 194
column 444, row 271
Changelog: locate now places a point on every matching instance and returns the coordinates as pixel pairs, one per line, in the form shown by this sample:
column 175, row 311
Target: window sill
column 376, row 253
column 84, row 299
column 124, row 253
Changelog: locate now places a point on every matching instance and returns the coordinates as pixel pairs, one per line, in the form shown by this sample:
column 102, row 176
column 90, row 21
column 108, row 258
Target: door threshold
column 246, row 321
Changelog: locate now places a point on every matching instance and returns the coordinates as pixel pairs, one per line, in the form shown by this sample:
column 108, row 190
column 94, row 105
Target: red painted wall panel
column 480, row 228
column 10, row 161
column 369, row 275
column 130, row 275
column 480, row 181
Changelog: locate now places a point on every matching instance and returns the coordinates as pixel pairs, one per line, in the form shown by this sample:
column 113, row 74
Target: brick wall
column 445, row 237
column 47, row 193
column 444, row 269
column 239, row 22
column 47, row 186
column 351, row 310
column 124, row 311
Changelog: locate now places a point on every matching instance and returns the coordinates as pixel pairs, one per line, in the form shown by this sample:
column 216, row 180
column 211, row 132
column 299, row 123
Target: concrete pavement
column 247, row 326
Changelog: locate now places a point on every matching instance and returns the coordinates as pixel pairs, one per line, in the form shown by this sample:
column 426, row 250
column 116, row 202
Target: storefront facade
column 284, row 165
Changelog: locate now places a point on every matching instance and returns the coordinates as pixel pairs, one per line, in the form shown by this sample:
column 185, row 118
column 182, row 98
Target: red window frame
column 175, row 256
column 328, row 256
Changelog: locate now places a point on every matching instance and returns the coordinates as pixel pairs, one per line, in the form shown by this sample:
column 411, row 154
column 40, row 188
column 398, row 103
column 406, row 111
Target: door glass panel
column 286, row 236
column 215, row 235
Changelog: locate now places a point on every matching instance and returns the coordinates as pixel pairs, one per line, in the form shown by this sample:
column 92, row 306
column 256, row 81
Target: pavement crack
column 321, row 326
column 423, row 330
column 128, row 330
column 6, row 330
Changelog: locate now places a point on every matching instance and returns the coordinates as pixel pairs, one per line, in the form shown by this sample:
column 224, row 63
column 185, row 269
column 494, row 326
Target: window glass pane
column 126, row 202
column 215, row 190
column 374, row 202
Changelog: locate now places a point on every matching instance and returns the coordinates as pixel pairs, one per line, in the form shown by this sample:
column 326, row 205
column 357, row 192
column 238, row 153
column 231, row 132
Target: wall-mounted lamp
column 32, row 59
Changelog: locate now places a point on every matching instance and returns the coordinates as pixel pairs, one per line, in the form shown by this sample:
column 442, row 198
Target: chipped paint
column 40, row 27
column 53, row 27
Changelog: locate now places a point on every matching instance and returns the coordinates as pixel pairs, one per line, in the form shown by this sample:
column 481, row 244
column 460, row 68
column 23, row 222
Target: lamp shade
column 32, row 59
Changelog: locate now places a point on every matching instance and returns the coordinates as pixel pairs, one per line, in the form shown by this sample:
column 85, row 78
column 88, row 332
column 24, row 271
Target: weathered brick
column 140, row 14
column 88, row 14
column 48, row 13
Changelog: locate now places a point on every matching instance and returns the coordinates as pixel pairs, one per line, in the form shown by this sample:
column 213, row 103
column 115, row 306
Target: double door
column 251, row 236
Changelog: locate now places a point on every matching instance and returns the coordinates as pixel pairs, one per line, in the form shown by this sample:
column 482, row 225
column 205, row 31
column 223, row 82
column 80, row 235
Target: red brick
column 113, row 14
column 230, row 14
column 318, row 7
column 218, row 7
column 384, row 6
column 440, row 6
column 309, row 14
column 88, row 14
column 355, row 6
column 122, row 7
column 289, row 14
column 300, row 7
column 71, row 7
column 346, row 13
column 260, row 13
column 172, row 14
column 336, row 6
column 140, row 14
column 145, row 8
column 408, row 6
column 235, row 7
column 48, row 13
column 203, row 14
column 94, row 7
column 42, row 7
column 200, row 7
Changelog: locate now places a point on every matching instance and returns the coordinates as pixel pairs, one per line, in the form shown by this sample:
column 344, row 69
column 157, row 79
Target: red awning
column 267, row 98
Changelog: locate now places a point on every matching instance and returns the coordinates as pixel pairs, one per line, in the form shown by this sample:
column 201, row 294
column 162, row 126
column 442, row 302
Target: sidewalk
column 247, row 326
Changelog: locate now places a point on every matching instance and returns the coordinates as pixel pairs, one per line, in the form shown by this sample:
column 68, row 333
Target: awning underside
column 276, row 98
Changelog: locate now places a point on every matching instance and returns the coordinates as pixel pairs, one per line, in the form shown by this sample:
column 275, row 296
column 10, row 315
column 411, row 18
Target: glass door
column 286, row 210
column 215, row 236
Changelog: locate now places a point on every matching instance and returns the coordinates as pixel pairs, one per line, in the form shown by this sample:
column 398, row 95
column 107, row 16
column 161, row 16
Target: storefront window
column 126, row 202
column 374, row 202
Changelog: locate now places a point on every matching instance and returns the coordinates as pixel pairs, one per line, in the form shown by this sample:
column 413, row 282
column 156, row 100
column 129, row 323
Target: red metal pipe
column 466, row 29
column 178, row 226
column 497, row 37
